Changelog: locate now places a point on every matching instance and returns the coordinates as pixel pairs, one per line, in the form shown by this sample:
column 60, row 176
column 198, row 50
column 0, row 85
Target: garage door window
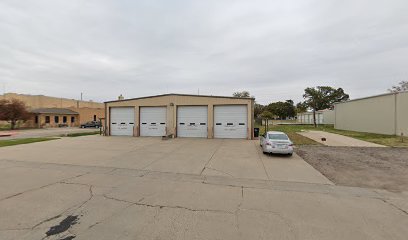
column 153, row 121
column 192, row 121
column 231, row 121
column 122, row 121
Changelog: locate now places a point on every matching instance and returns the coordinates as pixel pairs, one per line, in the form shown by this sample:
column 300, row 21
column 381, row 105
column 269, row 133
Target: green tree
column 323, row 97
column 282, row 109
column 243, row 94
column 266, row 115
column 401, row 87
column 13, row 111
column 258, row 109
column 301, row 107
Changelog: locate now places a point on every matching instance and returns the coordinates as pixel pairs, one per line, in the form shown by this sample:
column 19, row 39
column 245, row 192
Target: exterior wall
column 41, row 101
column 374, row 115
column 42, row 123
column 87, row 114
column 402, row 113
column 180, row 100
column 307, row 118
column 329, row 117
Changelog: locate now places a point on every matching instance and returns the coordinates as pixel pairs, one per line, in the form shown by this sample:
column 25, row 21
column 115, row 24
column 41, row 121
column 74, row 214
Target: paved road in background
column 43, row 132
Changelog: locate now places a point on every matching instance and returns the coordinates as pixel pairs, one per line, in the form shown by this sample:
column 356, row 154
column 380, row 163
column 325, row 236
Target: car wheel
column 290, row 154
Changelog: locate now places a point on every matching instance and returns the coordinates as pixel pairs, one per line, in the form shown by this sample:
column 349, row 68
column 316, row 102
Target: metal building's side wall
column 172, row 101
column 328, row 117
column 402, row 113
column 374, row 115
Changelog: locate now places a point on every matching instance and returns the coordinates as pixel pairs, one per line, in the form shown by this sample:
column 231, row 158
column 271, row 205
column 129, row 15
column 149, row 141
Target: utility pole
column 81, row 96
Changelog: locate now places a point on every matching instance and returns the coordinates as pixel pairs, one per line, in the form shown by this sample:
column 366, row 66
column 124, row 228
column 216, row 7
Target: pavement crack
column 220, row 171
column 263, row 165
column 212, row 156
column 394, row 206
column 46, row 220
column 41, row 187
column 139, row 203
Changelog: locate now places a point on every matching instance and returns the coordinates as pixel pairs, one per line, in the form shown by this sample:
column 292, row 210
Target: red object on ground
column 6, row 134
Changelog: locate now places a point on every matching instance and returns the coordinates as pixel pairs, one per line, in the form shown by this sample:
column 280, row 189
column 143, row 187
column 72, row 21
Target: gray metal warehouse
column 384, row 114
column 181, row 115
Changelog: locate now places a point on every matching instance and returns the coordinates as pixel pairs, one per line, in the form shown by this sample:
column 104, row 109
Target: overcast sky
column 274, row 49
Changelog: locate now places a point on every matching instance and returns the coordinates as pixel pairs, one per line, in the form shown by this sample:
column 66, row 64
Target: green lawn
column 296, row 138
column 387, row 140
column 5, row 143
column 81, row 134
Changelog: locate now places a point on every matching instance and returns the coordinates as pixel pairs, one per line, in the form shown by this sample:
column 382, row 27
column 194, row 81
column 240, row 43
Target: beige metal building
column 322, row 117
column 181, row 115
column 384, row 114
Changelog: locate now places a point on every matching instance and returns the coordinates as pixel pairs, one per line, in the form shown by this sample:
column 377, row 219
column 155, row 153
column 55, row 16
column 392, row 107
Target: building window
column 56, row 119
column 64, row 119
column 94, row 117
column 36, row 119
column 72, row 119
column 47, row 119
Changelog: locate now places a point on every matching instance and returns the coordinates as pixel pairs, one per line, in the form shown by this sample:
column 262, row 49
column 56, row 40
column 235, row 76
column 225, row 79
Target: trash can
column 256, row 132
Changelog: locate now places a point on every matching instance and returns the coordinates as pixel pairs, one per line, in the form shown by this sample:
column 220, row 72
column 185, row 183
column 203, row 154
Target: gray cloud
column 274, row 49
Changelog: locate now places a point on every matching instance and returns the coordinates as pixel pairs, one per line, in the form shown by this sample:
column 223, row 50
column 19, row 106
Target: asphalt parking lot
column 145, row 188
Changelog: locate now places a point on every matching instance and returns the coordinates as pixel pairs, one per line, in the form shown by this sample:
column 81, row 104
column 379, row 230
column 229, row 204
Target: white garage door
column 122, row 121
column 153, row 121
column 230, row 121
column 192, row 121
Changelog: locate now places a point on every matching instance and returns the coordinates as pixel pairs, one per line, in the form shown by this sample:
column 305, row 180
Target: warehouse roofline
column 176, row 94
column 374, row 96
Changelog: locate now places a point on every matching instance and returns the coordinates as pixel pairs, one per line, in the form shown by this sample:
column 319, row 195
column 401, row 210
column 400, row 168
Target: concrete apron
column 57, row 201
column 143, row 188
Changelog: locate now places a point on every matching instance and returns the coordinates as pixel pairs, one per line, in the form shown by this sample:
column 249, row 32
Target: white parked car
column 276, row 142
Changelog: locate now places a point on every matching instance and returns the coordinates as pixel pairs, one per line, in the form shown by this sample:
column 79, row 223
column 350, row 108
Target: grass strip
column 12, row 142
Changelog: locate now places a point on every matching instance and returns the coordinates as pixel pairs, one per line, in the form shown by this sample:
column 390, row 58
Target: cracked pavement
column 145, row 188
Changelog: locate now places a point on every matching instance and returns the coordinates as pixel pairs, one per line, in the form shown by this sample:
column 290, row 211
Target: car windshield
column 278, row 137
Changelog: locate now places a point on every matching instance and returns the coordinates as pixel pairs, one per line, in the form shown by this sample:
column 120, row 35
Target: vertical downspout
column 251, row 129
column 106, row 121
column 395, row 114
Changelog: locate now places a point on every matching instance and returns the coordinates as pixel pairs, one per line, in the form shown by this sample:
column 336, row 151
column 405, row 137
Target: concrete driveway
column 145, row 188
column 337, row 140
